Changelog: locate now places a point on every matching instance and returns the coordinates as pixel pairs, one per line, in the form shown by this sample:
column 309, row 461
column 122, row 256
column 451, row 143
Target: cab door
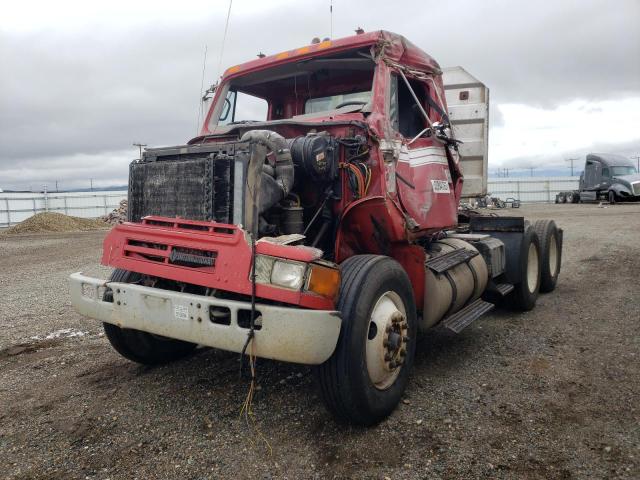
column 423, row 179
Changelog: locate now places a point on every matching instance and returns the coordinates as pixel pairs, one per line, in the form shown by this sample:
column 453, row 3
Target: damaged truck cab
column 314, row 220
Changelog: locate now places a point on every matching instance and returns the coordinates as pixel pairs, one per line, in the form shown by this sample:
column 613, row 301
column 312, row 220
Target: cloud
column 533, row 136
column 82, row 82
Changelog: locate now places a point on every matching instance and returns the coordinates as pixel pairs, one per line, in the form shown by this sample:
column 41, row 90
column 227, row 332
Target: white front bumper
column 287, row 334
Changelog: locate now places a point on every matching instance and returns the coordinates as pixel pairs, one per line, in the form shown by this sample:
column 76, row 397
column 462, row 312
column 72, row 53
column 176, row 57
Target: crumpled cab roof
column 393, row 47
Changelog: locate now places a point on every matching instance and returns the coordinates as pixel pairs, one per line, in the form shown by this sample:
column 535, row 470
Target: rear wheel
column 138, row 346
column 571, row 197
column 560, row 198
column 550, row 253
column 525, row 294
column 365, row 377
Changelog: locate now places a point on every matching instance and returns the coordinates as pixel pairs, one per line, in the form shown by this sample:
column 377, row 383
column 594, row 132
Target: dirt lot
column 548, row 394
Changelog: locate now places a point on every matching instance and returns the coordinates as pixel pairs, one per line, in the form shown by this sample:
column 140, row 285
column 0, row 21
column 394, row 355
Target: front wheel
column 612, row 197
column 138, row 346
column 365, row 377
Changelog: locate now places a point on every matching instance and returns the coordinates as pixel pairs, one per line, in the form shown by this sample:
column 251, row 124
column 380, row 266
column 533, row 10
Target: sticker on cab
column 440, row 186
column 181, row 312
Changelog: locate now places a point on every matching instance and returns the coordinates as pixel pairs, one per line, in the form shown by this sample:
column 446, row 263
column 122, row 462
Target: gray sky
column 81, row 82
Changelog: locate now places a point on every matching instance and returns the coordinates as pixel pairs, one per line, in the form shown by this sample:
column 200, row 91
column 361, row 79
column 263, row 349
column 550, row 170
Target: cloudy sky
column 81, row 81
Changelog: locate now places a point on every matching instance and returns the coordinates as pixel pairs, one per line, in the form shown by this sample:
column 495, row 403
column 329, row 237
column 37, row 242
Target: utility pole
column 506, row 171
column 531, row 169
column 571, row 160
column 91, row 184
column 637, row 159
column 56, row 186
column 140, row 145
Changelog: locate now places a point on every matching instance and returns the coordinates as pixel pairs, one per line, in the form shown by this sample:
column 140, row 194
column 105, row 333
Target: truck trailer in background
column 605, row 177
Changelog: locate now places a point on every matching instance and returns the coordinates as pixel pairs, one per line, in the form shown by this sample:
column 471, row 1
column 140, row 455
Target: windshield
column 618, row 171
column 298, row 88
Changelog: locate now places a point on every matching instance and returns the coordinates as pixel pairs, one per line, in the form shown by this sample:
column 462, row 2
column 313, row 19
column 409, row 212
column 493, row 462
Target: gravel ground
column 552, row 393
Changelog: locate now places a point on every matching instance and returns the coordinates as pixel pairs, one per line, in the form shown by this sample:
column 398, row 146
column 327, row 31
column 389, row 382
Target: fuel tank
column 446, row 293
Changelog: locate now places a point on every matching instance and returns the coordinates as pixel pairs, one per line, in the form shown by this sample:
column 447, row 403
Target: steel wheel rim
column 386, row 342
column 553, row 256
column 532, row 268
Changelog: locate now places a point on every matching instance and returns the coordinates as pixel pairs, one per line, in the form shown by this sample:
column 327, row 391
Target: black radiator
column 195, row 183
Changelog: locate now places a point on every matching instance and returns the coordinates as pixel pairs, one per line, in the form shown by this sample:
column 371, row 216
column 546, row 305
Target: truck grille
column 194, row 183
column 636, row 188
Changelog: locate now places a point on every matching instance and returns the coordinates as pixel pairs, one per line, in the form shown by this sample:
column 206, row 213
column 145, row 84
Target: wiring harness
column 358, row 172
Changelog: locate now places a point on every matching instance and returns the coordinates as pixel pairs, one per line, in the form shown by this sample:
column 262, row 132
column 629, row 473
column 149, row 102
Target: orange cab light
column 324, row 281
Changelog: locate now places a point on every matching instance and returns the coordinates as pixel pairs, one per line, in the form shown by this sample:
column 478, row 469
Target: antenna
column 200, row 101
column 571, row 160
column 224, row 39
column 331, row 19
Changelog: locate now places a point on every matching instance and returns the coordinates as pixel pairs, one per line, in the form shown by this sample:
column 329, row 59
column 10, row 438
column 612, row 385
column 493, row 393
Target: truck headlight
column 283, row 273
column 320, row 278
column 288, row 274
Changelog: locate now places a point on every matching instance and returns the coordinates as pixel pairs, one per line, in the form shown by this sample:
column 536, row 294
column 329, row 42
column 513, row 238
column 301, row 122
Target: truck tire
column 365, row 377
column 138, row 346
column 612, row 197
column 561, row 198
column 571, row 197
column 526, row 292
column 551, row 254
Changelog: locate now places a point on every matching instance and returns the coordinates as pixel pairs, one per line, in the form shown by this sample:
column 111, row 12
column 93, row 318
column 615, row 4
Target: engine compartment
column 295, row 183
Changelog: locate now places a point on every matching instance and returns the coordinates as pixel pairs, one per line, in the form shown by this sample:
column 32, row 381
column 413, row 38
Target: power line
column 571, row 160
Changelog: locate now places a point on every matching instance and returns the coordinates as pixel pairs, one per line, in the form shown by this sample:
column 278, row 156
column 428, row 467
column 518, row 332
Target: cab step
column 463, row 318
column 503, row 288
column 449, row 260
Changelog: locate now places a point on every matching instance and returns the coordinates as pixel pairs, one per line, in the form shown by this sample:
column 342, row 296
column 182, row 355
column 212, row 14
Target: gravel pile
column 54, row 222
column 118, row 215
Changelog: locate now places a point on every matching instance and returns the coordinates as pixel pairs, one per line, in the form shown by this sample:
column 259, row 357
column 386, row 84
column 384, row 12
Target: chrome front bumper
column 287, row 334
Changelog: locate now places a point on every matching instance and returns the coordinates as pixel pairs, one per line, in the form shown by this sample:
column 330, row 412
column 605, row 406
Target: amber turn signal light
column 324, row 281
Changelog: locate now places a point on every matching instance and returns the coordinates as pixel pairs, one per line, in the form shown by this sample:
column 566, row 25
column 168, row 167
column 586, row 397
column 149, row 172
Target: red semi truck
column 315, row 220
